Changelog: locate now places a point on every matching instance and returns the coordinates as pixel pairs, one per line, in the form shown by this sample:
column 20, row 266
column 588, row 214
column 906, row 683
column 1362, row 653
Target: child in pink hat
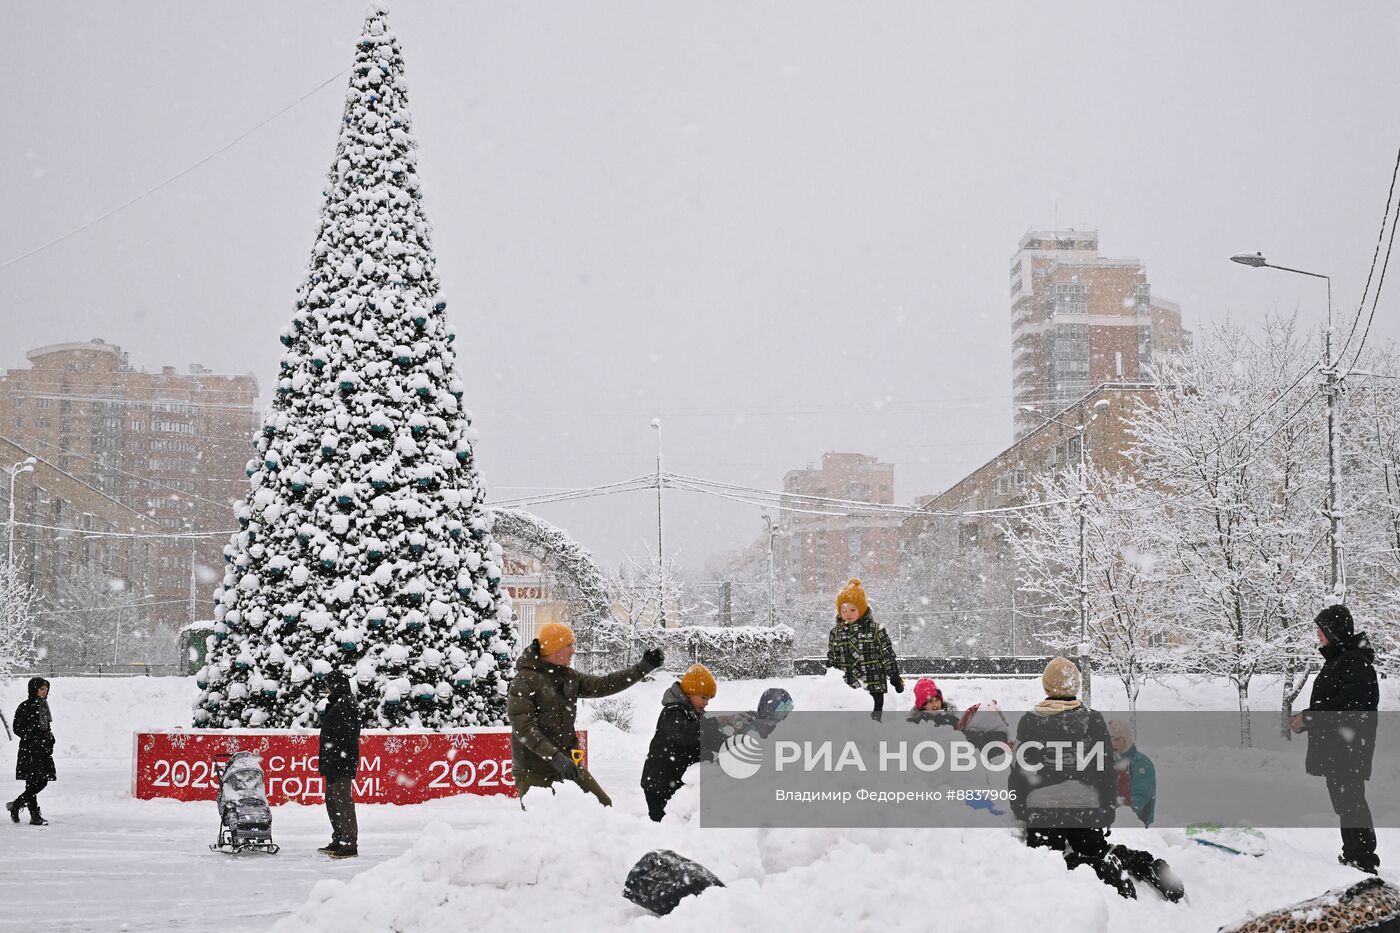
column 929, row 705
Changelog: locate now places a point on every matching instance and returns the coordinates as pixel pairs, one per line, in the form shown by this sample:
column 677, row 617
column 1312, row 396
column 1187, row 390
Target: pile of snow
column 567, row 857
column 109, row 860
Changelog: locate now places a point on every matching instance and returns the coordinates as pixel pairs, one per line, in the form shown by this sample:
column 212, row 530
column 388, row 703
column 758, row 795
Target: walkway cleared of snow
column 109, row 862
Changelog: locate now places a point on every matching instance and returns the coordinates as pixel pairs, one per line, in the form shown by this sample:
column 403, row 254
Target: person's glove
column 897, row 682
column 566, row 768
column 653, row 657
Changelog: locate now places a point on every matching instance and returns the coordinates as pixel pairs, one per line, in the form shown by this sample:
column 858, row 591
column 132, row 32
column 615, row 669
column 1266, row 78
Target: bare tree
column 642, row 591
column 1233, row 461
column 16, row 624
column 1127, row 632
column 91, row 617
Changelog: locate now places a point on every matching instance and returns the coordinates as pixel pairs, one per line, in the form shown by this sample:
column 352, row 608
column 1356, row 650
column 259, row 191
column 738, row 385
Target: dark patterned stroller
column 245, row 819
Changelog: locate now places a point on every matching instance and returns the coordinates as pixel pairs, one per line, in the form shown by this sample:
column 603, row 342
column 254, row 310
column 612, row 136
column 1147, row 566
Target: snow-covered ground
column 109, row 862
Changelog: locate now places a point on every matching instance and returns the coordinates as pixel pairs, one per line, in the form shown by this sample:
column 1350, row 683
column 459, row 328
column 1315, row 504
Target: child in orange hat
column 684, row 736
column 861, row 648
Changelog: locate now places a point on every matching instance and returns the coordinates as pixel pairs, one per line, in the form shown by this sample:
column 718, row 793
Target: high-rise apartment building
column 820, row 552
column 170, row 446
column 1080, row 320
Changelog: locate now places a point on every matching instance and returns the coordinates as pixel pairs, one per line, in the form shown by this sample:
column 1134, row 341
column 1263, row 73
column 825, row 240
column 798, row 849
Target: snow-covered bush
column 739, row 653
column 364, row 545
column 616, row 709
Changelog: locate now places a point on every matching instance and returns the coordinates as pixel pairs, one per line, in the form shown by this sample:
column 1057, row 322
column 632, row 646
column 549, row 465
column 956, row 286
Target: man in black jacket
column 1341, row 725
column 34, row 763
column 338, row 761
column 1066, row 794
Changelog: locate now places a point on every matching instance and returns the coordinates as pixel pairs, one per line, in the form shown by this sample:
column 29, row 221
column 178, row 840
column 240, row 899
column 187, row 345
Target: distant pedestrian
column 861, row 649
column 34, row 762
column 1137, row 776
column 543, row 707
column 339, row 759
column 1341, row 725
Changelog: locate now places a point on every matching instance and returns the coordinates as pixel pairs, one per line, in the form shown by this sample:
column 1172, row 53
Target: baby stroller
column 245, row 819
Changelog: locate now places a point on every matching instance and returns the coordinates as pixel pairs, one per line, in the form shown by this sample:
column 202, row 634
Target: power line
column 846, row 506
column 1380, row 237
column 145, row 479
column 1244, row 461
column 169, row 406
column 1375, row 299
column 85, row 533
column 178, row 175
column 138, row 605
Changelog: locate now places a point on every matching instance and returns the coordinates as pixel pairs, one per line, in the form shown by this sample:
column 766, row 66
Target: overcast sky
column 782, row 227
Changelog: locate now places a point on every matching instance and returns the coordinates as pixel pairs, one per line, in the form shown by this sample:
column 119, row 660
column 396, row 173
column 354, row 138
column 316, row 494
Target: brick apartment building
column 52, row 499
column 1006, row 479
column 820, row 552
column 169, row 447
column 1080, row 320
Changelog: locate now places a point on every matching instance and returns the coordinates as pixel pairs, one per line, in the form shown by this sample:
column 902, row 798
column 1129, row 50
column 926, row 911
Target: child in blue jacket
column 1137, row 778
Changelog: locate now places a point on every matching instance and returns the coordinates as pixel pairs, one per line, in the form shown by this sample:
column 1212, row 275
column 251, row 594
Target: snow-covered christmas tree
column 364, row 545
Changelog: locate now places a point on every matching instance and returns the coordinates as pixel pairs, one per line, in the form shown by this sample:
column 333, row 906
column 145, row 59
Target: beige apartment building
column 170, row 447
column 1081, row 320
column 820, row 552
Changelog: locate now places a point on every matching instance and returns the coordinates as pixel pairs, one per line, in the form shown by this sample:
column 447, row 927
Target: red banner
column 395, row 767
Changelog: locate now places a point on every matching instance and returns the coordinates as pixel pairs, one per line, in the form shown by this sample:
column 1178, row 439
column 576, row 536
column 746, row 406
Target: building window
column 967, row 536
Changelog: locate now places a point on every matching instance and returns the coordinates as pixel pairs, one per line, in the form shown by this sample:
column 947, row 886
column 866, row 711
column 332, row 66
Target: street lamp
column 24, row 466
column 1331, row 388
column 768, row 520
column 1099, row 407
column 660, row 548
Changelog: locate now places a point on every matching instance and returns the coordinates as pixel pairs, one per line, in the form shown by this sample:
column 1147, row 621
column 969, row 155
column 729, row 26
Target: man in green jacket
column 543, row 705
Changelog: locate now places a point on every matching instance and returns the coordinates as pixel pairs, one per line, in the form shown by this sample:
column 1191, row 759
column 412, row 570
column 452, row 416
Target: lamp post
column 1099, row 408
column 1331, row 388
column 768, row 520
column 660, row 547
column 24, row 466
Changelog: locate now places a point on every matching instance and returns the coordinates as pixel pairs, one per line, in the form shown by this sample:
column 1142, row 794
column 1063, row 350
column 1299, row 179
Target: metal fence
column 101, row 670
column 998, row 666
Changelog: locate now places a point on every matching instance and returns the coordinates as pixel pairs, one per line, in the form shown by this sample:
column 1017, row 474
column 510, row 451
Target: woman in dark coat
column 1341, row 725
column 34, row 764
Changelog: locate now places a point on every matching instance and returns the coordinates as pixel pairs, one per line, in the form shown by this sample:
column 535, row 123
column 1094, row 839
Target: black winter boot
column 345, row 850
column 13, row 807
column 1112, row 873
column 1153, row 872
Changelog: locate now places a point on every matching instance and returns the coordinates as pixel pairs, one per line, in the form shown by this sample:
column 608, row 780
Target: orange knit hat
column 854, row 595
column 698, row 681
column 553, row 636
